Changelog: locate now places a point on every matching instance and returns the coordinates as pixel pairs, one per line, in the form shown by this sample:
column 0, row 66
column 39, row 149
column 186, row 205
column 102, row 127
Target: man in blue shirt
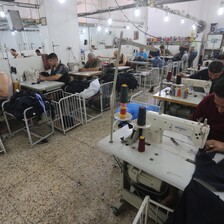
column 141, row 55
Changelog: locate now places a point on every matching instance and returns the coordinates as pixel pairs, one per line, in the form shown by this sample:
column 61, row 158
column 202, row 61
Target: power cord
column 132, row 22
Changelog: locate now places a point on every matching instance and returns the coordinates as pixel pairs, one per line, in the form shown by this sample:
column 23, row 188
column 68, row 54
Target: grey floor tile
column 67, row 180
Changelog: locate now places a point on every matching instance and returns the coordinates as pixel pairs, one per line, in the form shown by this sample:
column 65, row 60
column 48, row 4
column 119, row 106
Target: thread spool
column 123, row 101
column 178, row 80
column 141, row 121
column 16, row 86
column 141, row 144
column 169, row 76
column 178, row 92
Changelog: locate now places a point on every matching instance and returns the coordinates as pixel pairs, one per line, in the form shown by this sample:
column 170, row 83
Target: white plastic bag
column 93, row 89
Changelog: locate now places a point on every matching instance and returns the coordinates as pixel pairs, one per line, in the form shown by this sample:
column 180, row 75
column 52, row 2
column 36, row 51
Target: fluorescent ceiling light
column 221, row 11
column 128, row 27
column 182, row 21
column 166, row 18
column 99, row 28
column 2, row 14
column 194, row 27
column 62, row 1
column 137, row 12
column 109, row 21
column 106, row 30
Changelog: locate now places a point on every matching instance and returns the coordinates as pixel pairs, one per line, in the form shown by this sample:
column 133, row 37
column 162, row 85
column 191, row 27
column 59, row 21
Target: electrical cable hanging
column 71, row 51
column 132, row 22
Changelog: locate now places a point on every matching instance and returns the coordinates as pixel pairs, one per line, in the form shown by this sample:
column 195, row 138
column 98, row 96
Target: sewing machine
column 171, row 146
column 206, row 85
column 157, row 123
column 31, row 75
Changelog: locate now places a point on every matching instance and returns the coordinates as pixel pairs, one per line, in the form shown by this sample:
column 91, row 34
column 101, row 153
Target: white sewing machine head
column 206, row 85
column 198, row 132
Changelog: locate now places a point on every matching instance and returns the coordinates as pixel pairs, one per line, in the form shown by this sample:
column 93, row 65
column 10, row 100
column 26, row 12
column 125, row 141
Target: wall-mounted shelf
column 213, row 46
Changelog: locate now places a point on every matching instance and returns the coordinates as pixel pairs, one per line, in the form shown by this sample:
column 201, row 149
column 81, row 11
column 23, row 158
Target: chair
column 38, row 128
column 94, row 106
column 2, row 148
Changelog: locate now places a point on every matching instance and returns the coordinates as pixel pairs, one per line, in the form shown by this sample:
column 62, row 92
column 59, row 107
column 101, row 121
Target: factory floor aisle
column 65, row 181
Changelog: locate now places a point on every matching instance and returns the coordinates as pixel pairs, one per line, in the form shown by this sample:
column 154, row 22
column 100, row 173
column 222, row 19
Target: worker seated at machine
column 164, row 52
column 59, row 71
column 214, row 73
column 141, row 55
column 122, row 59
column 208, row 177
column 93, row 64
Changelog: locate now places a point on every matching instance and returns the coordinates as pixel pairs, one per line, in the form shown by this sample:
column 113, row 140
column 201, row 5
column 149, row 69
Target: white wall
column 21, row 40
column 62, row 28
column 22, row 64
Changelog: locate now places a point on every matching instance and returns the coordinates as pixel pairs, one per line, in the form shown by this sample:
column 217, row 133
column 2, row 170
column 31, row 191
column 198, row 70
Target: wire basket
column 67, row 106
column 151, row 212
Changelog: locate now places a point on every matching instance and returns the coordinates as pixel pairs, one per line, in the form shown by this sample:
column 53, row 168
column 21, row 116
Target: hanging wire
column 132, row 22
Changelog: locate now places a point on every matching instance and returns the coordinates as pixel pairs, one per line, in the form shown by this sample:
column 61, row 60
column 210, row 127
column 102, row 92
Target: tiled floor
column 65, row 181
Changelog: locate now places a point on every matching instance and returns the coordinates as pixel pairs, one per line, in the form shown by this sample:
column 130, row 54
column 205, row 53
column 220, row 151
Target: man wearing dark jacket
column 214, row 72
column 59, row 72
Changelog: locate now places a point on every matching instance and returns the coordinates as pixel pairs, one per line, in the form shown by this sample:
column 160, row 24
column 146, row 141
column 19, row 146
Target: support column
column 61, row 34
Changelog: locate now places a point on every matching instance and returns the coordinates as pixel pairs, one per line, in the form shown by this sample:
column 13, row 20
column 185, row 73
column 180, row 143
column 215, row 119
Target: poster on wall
column 136, row 35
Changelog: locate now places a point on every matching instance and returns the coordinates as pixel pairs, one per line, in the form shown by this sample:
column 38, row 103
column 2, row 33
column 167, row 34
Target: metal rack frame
column 29, row 125
column 67, row 107
column 149, row 208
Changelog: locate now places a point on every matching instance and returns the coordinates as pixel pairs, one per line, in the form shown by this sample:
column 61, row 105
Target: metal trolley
column 67, row 107
column 149, row 208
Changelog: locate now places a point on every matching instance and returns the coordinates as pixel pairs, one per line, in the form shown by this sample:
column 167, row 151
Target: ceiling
column 30, row 15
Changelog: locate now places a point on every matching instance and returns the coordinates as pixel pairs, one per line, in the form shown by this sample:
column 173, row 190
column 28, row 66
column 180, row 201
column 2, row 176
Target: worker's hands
column 83, row 69
column 214, row 146
column 181, row 74
column 42, row 78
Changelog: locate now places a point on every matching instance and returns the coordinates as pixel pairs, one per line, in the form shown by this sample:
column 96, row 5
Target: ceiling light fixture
column 128, row 27
column 2, row 14
column 221, row 9
column 166, row 18
column 62, row 1
column 194, row 27
column 99, row 28
column 106, row 30
column 109, row 21
column 182, row 21
column 137, row 11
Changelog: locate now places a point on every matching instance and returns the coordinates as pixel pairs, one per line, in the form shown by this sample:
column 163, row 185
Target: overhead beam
column 20, row 4
column 149, row 3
